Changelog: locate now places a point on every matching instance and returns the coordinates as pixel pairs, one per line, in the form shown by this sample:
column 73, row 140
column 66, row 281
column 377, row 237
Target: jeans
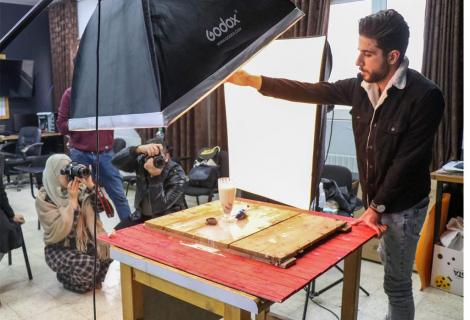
column 109, row 178
column 397, row 250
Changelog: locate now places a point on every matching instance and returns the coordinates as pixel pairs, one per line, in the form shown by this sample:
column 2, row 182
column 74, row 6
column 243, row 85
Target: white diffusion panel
column 271, row 140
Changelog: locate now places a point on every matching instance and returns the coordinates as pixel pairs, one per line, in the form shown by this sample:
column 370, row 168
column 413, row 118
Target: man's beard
column 376, row 76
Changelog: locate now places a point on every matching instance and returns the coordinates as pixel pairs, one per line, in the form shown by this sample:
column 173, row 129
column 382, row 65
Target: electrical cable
column 323, row 307
column 97, row 164
column 331, row 134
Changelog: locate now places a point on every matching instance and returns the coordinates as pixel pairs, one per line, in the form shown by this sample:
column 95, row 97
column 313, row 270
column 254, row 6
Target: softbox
column 158, row 58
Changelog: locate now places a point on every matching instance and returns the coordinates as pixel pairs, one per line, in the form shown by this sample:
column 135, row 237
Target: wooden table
column 228, row 285
column 442, row 177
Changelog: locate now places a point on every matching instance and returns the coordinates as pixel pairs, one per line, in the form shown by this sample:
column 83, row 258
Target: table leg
column 437, row 212
column 132, row 295
column 234, row 313
column 352, row 276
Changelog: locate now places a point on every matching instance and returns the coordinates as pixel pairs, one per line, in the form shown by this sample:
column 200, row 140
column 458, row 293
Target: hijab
column 57, row 193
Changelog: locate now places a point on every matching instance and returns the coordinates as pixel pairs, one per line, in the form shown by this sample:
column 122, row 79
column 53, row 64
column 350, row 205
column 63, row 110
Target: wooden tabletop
column 238, row 272
column 14, row 137
column 445, row 176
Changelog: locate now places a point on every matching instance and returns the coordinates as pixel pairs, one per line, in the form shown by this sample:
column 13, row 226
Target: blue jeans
column 397, row 250
column 109, row 178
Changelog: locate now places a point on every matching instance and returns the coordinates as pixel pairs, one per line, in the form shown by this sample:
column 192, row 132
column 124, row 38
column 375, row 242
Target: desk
column 442, row 177
column 14, row 137
column 228, row 285
column 53, row 141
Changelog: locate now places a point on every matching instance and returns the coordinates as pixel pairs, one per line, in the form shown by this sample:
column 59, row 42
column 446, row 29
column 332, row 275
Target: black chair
column 22, row 151
column 23, row 245
column 343, row 178
column 193, row 191
column 35, row 170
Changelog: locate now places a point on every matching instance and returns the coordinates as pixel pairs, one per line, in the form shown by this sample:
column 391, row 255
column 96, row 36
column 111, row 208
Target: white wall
column 85, row 9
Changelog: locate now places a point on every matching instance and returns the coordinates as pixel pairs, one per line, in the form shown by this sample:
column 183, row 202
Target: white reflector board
column 270, row 140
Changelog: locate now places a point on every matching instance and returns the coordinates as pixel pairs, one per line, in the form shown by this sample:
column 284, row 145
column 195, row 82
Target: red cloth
column 251, row 276
column 81, row 140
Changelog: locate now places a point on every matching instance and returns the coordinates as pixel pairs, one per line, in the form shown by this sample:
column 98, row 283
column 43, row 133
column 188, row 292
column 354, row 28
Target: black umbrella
column 158, row 58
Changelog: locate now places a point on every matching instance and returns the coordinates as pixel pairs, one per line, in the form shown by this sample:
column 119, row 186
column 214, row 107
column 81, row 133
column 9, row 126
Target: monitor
column 21, row 120
column 16, row 78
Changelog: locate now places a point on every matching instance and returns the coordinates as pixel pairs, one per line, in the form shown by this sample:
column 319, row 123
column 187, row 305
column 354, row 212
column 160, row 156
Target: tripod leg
column 307, row 295
column 360, row 288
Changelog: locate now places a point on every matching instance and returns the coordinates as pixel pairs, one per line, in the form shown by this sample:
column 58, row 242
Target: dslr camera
column 75, row 169
column 158, row 160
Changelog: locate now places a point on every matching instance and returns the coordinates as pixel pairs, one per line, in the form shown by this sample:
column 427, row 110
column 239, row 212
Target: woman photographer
column 65, row 206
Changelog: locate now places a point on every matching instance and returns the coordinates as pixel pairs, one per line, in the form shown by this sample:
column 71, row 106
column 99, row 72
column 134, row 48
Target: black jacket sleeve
column 126, row 159
column 340, row 92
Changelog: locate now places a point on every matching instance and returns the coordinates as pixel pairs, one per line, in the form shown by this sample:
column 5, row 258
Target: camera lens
column 158, row 161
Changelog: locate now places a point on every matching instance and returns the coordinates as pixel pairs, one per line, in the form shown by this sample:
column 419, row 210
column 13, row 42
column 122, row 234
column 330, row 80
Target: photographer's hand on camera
column 151, row 169
column 150, row 150
column 73, row 189
column 88, row 182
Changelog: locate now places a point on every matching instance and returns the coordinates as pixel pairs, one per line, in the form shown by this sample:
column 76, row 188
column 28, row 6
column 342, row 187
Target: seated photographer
column 160, row 180
column 65, row 206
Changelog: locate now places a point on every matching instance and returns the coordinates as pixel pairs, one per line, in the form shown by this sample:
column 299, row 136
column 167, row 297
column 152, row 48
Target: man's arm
column 126, row 159
column 340, row 92
column 63, row 114
column 415, row 147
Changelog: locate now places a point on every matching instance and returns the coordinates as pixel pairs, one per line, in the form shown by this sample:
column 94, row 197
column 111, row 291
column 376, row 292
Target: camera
column 74, row 169
column 158, row 161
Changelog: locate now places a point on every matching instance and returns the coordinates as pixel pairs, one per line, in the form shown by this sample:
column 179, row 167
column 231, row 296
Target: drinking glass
column 227, row 193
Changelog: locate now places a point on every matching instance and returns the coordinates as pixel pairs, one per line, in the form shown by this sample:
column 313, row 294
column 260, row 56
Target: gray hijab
column 57, row 193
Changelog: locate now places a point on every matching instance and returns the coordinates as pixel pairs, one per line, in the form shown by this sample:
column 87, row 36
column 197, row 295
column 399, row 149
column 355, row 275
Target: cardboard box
column 447, row 270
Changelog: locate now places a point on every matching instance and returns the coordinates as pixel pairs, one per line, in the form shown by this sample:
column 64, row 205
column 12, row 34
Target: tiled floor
column 44, row 298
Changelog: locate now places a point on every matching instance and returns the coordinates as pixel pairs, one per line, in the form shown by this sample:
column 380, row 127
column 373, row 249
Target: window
column 343, row 39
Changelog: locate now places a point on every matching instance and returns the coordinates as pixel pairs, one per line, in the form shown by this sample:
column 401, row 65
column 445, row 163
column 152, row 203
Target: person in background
column 65, row 207
column 10, row 229
column 160, row 180
column 83, row 150
column 395, row 114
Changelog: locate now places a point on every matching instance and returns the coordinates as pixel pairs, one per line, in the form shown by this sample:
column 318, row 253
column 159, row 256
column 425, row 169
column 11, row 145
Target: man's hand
column 372, row 220
column 151, row 169
column 18, row 218
column 151, row 150
column 243, row 78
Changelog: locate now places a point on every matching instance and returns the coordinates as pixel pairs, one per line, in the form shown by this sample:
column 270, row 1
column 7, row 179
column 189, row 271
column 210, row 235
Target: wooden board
column 192, row 222
column 273, row 234
column 288, row 238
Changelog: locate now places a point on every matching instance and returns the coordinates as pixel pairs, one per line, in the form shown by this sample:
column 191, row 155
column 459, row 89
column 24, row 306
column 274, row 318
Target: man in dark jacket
column 160, row 180
column 395, row 114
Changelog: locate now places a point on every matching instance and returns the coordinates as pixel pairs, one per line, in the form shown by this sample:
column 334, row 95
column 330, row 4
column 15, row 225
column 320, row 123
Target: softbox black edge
column 199, row 92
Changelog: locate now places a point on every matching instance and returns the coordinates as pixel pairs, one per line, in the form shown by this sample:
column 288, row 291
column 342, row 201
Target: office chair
column 23, row 245
column 35, row 170
column 343, row 178
column 193, row 191
column 21, row 152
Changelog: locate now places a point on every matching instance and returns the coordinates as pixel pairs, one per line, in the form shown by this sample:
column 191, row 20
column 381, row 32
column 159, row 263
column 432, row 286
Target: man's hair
column 389, row 29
